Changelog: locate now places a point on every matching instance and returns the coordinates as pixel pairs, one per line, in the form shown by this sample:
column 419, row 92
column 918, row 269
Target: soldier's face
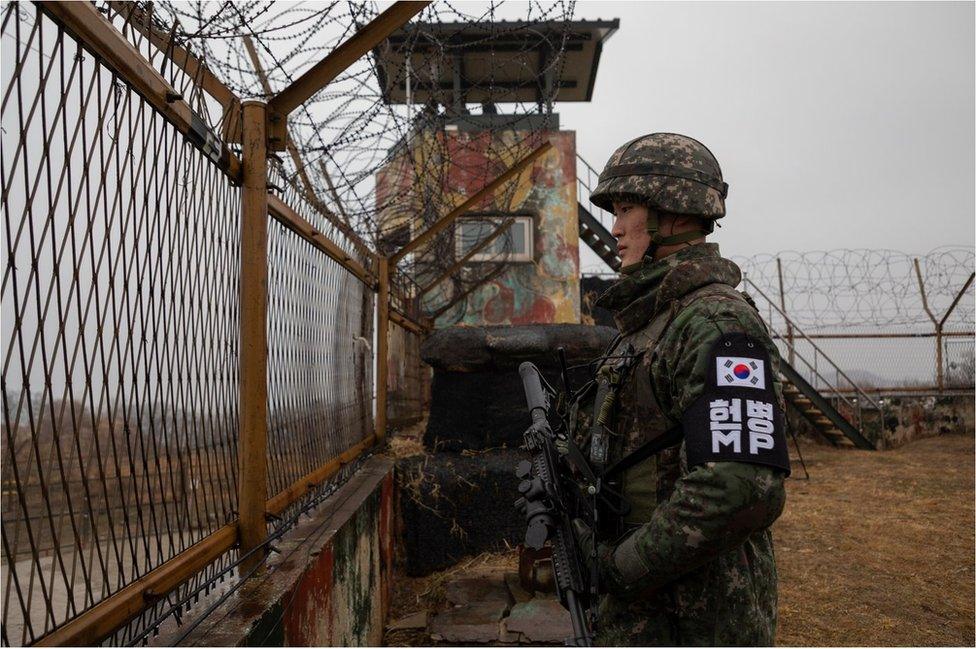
column 630, row 229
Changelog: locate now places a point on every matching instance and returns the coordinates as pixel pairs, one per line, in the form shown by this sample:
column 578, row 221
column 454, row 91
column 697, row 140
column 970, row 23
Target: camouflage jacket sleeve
column 713, row 507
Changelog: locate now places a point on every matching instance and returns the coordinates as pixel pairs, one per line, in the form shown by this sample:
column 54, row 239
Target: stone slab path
column 487, row 608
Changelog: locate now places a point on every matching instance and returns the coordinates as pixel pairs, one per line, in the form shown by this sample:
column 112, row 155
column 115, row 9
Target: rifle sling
column 671, row 437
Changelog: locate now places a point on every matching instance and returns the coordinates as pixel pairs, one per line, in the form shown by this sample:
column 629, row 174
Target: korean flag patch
column 738, row 417
column 739, row 371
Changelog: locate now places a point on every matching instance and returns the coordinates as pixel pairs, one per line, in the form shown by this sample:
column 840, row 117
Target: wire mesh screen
column 408, row 379
column 120, row 335
column 121, row 302
column 168, row 53
column 320, row 320
column 885, row 363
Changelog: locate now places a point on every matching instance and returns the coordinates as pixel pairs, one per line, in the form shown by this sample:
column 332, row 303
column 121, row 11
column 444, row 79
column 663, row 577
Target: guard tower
column 457, row 80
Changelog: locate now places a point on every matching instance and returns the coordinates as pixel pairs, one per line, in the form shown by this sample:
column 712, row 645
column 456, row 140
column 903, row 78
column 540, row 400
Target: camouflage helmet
column 667, row 172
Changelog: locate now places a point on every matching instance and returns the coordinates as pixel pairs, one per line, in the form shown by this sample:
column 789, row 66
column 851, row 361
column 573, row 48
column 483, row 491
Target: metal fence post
column 782, row 304
column 938, row 327
column 382, row 342
column 253, row 442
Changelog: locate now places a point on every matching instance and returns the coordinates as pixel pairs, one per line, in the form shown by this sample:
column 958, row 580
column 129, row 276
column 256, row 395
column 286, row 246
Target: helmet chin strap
column 657, row 240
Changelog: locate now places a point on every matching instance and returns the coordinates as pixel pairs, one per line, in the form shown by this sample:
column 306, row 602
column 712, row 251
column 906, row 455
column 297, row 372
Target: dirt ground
column 876, row 549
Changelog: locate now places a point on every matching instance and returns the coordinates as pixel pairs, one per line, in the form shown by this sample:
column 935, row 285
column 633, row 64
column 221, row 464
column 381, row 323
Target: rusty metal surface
column 253, row 386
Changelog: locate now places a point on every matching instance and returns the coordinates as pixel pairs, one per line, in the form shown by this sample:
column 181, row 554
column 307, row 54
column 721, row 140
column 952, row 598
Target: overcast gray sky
column 837, row 125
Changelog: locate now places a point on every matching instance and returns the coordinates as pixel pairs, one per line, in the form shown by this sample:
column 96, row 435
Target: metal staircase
column 818, row 411
column 594, row 223
column 598, row 238
column 834, row 408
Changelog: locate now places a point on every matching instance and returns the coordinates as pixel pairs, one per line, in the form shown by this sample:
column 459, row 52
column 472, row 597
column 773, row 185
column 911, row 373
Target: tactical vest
column 639, row 419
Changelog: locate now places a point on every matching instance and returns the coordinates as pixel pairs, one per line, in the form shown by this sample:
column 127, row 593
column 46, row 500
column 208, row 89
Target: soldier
column 697, row 443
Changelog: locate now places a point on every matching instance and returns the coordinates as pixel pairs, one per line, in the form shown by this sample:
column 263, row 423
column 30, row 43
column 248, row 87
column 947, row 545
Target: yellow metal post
column 92, row 626
column 253, row 443
column 382, row 342
column 296, row 158
column 347, row 53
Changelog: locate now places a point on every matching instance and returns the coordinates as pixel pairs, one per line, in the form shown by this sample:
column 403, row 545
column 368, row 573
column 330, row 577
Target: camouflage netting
column 454, row 506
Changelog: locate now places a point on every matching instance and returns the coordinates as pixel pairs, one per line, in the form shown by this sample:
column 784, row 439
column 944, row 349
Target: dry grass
column 878, row 547
column 401, row 447
column 409, row 441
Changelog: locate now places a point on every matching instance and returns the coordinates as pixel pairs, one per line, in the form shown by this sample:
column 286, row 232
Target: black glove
column 599, row 552
column 610, row 579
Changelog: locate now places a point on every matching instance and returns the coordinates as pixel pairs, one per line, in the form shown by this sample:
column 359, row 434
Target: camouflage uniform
column 703, row 538
column 696, row 564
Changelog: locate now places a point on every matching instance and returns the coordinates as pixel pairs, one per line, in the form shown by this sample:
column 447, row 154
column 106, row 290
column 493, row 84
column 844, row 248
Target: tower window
column 517, row 239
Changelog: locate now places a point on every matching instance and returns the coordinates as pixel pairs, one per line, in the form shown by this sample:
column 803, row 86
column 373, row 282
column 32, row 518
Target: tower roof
column 492, row 62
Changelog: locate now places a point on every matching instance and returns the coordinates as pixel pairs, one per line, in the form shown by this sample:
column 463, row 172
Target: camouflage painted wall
column 545, row 290
column 909, row 418
column 328, row 584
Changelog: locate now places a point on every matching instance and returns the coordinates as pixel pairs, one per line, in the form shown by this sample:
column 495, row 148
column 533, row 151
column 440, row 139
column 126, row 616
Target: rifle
column 550, row 503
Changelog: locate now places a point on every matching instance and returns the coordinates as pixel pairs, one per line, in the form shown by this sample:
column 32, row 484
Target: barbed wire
column 390, row 169
column 869, row 289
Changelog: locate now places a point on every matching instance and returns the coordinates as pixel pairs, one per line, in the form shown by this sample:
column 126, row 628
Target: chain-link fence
column 122, row 313
column 119, row 331
column 201, row 336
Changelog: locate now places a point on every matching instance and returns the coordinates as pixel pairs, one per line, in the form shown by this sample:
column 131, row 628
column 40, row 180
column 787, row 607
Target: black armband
column 737, row 418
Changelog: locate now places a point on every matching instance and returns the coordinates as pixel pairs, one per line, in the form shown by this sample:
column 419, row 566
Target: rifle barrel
column 534, row 395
